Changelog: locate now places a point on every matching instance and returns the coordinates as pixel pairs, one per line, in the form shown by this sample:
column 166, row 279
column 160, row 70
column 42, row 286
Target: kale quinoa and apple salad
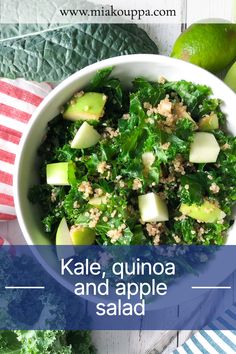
column 152, row 165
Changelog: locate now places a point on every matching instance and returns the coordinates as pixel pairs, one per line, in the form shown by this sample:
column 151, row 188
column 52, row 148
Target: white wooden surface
column 139, row 342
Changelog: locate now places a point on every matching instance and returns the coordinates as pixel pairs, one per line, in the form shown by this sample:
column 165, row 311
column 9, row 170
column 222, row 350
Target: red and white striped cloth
column 10, row 248
column 18, row 100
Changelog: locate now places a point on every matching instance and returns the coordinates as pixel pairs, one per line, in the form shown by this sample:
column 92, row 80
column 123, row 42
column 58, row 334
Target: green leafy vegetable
column 54, row 53
column 102, row 82
column 46, row 342
column 192, row 95
column 151, row 92
column 193, row 188
column 9, row 343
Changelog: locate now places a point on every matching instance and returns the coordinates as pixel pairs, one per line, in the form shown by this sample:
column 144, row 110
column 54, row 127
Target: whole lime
column 230, row 78
column 211, row 46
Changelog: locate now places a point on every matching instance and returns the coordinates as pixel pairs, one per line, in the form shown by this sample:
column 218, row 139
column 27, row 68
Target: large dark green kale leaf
column 52, row 54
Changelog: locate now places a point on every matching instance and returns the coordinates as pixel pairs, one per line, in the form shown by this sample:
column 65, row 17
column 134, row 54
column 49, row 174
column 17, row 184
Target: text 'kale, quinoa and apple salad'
column 152, row 165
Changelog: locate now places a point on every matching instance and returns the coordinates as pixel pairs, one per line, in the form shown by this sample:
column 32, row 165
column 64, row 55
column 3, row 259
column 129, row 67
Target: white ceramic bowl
column 126, row 68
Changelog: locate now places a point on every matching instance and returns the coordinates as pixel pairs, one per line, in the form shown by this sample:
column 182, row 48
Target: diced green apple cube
column 60, row 173
column 89, row 106
column 85, row 137
column 152, row 208
column 82, row 236
column 63, row 239
column 207, row 212
column 148, row 159
column 97, row 201
column 209, row 122
column 204, row 148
